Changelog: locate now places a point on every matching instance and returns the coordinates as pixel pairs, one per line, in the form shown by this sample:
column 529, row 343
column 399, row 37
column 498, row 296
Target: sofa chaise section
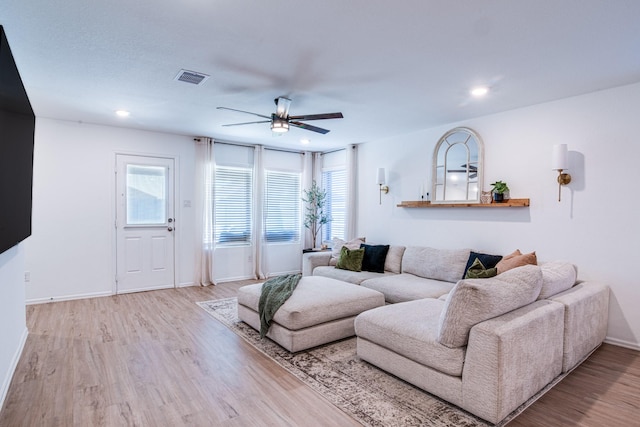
column 486, row 368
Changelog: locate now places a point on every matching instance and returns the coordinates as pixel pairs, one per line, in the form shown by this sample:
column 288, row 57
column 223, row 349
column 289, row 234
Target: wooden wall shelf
column 511, row 203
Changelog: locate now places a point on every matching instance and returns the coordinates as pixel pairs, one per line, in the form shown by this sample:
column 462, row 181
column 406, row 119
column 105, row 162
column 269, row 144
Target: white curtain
column 204, row 192
column 258, row 202
column 308, row 175
column 352, row 189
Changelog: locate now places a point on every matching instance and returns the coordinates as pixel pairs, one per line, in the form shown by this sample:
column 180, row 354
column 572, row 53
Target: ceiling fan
column 473, row 170
column 281, row 120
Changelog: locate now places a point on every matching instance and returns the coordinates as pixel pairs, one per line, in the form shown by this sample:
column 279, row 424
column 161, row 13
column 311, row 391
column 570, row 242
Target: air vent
column 192, row 77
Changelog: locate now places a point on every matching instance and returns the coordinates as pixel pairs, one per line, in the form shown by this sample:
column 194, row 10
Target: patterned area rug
column 368, row 394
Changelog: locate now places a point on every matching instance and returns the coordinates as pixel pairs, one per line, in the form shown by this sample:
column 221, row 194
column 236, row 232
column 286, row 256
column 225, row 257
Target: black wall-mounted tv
column 17, row 125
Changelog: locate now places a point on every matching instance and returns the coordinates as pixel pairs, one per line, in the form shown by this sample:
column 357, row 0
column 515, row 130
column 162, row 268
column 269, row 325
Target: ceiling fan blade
column 282, row 107
column 248, row 123
column 246, row 112
column 318, row 116
column 309, row 127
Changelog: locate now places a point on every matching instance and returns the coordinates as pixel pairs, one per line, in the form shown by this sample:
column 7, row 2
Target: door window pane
column 146, row 195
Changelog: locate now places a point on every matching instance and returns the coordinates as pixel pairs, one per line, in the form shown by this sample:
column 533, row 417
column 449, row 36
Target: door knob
column 170, row 220
column 170, row 228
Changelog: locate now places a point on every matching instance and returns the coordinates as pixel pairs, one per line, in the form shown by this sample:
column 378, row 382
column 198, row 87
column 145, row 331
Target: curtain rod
column 284, row 150
column 240, row 144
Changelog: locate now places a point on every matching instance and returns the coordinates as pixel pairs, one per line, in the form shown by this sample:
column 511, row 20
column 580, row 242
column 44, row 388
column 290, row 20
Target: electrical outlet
column 27, row 276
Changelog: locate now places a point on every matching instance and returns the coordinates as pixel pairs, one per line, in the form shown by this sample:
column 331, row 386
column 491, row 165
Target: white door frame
column 114, row 198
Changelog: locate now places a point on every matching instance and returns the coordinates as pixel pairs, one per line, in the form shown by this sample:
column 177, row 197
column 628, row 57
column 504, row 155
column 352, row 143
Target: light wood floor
column 156, row 359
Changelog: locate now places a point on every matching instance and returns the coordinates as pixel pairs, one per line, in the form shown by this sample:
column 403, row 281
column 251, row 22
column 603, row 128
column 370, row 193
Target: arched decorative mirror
column 457, row 167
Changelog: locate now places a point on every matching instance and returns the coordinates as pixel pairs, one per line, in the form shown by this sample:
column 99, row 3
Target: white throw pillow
column 337, row 245
column 393, row 262
column 472, row 301
column 557, row 276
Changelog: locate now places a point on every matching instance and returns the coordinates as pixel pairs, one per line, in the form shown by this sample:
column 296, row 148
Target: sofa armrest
column 512, row 357
column 586, row 316
column 311, row 260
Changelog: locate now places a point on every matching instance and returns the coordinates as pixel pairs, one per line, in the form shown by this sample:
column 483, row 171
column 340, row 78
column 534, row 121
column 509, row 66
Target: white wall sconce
column 381, row 182
column 560, row 162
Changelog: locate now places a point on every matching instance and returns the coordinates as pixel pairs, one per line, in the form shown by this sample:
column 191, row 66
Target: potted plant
column 315, row 215
column 498, row 190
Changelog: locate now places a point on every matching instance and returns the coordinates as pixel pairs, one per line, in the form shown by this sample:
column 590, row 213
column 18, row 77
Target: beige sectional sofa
column 485, row 345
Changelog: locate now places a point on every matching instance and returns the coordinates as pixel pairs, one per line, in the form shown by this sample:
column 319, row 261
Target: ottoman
column 319, row 311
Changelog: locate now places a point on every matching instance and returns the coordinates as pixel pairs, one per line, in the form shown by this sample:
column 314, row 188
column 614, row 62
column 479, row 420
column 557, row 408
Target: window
column 146, row 195
column 334, row 183
column 282, row 207
column 232, row 202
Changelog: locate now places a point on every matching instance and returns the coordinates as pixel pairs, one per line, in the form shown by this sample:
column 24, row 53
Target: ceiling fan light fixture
column 279, row 126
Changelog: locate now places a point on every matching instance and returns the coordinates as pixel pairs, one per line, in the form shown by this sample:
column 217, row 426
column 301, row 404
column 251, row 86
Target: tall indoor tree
column 315, row 215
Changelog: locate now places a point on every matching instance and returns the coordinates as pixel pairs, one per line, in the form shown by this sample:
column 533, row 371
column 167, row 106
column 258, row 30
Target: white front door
column 145, row 224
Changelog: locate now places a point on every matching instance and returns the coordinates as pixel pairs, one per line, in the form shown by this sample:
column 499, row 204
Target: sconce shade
column 559, row 160
column 380, row 176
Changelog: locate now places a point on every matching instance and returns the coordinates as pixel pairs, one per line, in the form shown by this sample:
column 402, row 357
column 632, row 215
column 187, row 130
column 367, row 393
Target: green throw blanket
column 275, row 292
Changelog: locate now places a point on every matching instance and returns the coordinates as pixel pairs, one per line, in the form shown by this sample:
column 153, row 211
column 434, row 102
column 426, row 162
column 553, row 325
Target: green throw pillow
column 350, row 259
column 477, row 271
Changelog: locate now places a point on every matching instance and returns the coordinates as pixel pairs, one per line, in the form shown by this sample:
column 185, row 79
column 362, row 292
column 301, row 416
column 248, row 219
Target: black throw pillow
column 488, row 261
column 374, row 257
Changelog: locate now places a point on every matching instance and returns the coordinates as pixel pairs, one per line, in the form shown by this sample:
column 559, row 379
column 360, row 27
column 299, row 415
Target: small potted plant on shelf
column 315, row 215
column 498, row 190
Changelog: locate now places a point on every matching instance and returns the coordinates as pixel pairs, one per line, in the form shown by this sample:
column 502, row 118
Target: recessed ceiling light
column 479, row 91
column 305, row 141
column 122, row 113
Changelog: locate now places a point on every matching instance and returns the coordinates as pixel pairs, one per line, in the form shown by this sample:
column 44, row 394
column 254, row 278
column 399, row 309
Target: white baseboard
column 12, row 369
column 234, row 279
column 68, row 297
column 622, row 343
column 186, row 284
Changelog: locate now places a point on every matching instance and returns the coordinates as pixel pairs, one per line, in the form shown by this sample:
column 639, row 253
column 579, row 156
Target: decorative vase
column 498, row 197
column 485, row 197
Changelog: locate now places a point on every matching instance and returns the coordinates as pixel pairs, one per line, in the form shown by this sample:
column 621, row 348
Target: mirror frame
column 472, row 135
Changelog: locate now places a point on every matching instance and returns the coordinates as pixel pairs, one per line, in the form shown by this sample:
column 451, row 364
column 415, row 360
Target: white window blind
column 334, row 182
column 232, row 205
column 282, row 207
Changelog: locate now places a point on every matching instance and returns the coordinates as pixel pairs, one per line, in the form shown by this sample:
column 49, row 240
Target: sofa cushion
column 350, row 259
column 315, row 300
column 355, row 277
column 557, row 276
column 478, row 271
column 407, row 287
column 516, row 259
column 374, row 257
column 489, row 261
column 472, row 301
column 439, row 264
column 393, row 262
column 411, row 330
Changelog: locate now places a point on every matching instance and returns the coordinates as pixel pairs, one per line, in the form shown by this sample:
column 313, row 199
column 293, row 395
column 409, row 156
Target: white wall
column 13, row 328
column 71, row 253
column 595, row 226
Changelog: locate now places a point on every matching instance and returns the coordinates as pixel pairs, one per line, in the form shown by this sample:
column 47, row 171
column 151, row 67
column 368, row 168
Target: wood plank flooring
column 156, row 359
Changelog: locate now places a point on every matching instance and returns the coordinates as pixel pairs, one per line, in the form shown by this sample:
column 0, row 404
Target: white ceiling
column 390, row 67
